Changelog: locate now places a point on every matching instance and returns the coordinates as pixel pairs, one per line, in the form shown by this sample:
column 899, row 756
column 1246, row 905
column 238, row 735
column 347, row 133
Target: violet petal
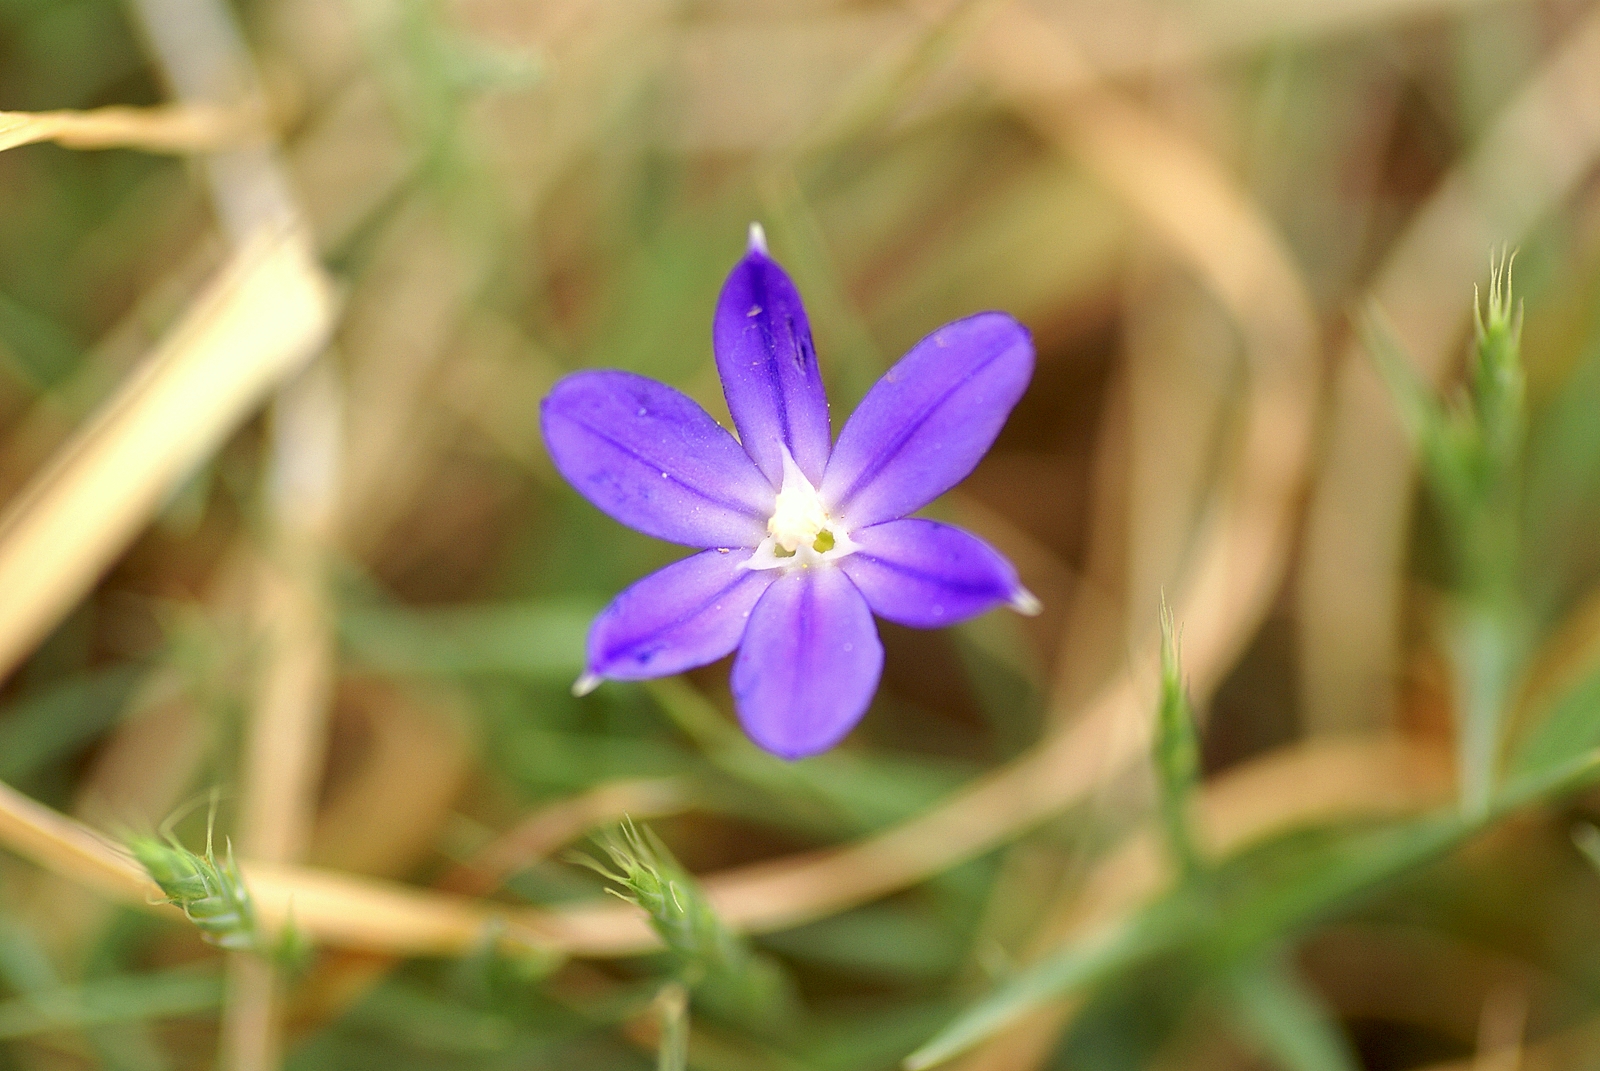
column 927, row 575
column 925, row 425
column 809, row 663
column 690, row 613
column 768, row 366
column 650, row 457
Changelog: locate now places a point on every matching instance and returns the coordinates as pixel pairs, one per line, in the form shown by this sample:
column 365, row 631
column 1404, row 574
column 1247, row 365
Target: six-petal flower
column 805, row 539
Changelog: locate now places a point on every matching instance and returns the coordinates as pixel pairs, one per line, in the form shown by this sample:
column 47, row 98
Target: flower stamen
column 799, row 533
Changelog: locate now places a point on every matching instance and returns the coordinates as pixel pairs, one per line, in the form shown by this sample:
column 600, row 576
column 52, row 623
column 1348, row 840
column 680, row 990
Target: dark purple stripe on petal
column 927, row 575
column 809, row 663
column 686, row 615
column 928, row 422
column 769, row 371
column 650, row 457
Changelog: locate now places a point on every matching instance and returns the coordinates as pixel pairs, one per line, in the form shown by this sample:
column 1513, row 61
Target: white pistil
column 800, row 533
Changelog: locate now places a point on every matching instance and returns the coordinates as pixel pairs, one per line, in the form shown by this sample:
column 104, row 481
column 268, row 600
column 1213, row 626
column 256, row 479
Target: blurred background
column 282, row 551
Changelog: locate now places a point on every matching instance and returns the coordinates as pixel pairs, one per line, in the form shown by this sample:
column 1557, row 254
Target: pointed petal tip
column 1026, row 603
column 767, row 360
column 585, row 684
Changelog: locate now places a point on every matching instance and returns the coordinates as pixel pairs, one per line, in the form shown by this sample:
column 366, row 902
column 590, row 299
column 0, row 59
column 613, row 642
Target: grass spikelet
column 649, row 876
column 725, row 975
column 212, row 894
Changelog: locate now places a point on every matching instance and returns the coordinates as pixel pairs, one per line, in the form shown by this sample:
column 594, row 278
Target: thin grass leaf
column 541, row 641
column 1437, row 433
column 106, row 1001
column 51, row 722
column 1289, row 1021
column 1084, row 964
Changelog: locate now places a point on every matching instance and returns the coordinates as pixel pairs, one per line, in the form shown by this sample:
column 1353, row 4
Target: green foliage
column 540, row 642
column 1231, row 915
column 728, row 977
column 1471, row 452
column 113, row 1000
column 48, row 723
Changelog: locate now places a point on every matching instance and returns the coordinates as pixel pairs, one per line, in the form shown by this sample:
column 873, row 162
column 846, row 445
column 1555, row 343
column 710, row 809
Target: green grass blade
column 534, row 640
column 1289, row 1021
column 53, row 721
column 108, row 1001
column 1084, row 964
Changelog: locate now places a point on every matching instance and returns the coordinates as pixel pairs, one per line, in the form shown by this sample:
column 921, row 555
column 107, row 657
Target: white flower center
column 799, row 518
column 799, row 533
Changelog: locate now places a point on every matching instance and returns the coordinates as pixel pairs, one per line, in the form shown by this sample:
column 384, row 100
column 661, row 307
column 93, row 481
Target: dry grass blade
column 205, row 60
column 1376, row 775
column 266, row 313
column 288, row 727
column 71, row 849
column 289, row 724
column 380, row 916
column 166, row 129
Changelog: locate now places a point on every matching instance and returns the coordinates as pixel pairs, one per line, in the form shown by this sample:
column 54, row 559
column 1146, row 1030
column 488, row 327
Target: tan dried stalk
column 289, row 716
column 263, row 316
column 170, row 128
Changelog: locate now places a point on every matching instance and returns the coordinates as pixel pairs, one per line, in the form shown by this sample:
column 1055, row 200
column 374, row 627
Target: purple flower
column 805, row 539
